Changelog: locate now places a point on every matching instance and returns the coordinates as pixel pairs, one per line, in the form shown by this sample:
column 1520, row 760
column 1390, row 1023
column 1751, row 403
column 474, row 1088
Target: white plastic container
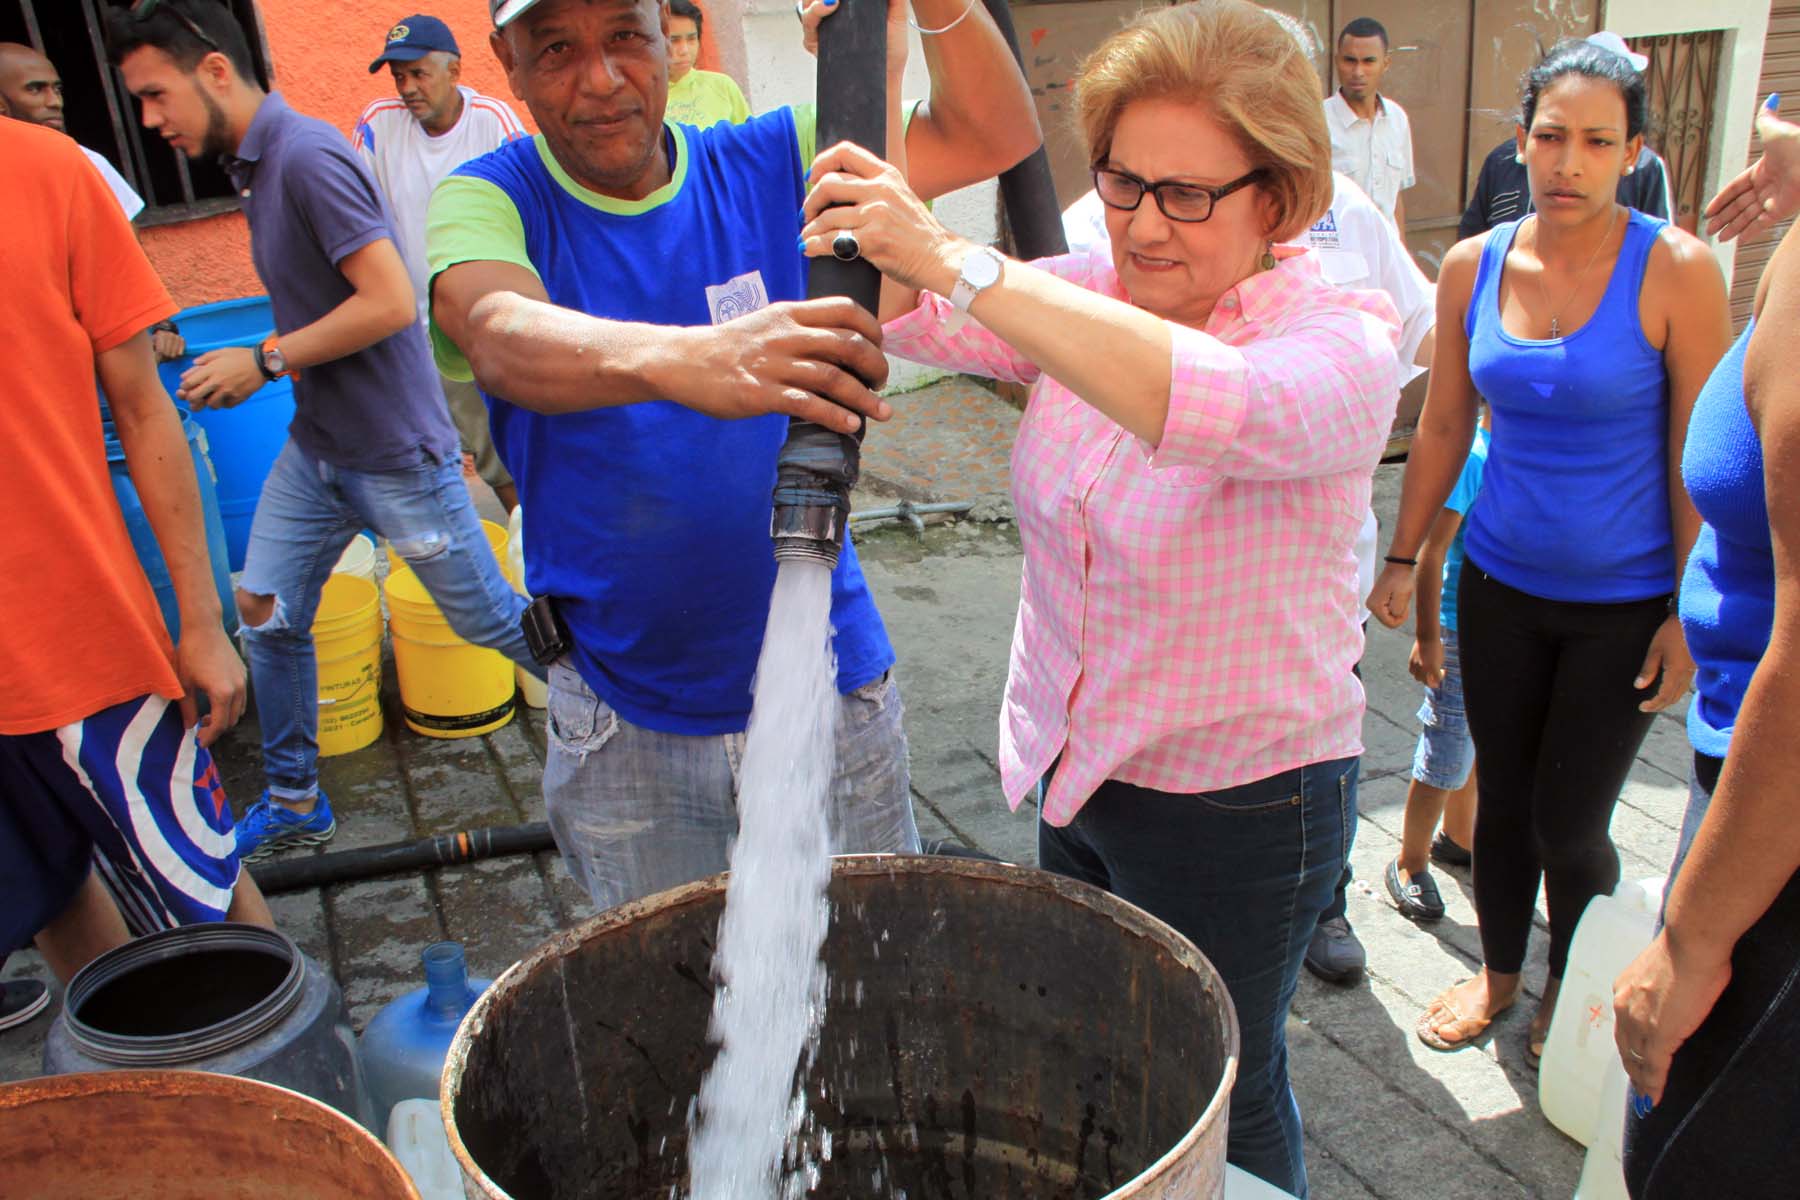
column 1242, row 1185
column 415, row 1134
column 358, row 559
column 532, row 690
column 1603, row 1171
column 1572, row 1079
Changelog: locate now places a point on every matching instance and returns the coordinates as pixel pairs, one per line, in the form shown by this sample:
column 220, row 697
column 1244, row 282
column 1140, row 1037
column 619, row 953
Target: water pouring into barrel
column 990, row 1032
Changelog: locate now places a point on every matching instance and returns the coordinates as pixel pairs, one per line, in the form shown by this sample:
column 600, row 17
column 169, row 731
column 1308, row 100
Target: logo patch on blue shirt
column 737, row 297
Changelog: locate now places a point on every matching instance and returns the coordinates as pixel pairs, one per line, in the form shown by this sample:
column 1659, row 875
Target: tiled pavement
column 1385, row 1116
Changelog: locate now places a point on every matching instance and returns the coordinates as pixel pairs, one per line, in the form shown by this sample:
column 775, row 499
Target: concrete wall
column 1746, row 24
column 780, row 72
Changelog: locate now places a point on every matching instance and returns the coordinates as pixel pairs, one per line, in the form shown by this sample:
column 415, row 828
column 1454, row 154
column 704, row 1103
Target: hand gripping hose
column 817, row 467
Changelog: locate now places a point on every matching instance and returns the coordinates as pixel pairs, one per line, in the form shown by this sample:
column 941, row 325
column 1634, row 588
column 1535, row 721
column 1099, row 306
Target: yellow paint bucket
column 448, row 687
column 358, row 559
column 347, row 639
column 496, row 536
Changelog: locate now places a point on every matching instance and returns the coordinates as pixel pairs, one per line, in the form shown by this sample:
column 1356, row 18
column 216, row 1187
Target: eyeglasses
column 1190, row 202
column 143, row 10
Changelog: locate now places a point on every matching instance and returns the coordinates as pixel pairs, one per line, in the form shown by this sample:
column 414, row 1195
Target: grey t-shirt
column 310, row 205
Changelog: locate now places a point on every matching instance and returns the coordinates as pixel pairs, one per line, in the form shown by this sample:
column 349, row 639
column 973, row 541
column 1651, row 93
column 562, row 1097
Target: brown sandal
column 1431, row 1030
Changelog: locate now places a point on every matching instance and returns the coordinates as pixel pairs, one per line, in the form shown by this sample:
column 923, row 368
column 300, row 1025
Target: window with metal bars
column 1683, row 80
column 102, row 116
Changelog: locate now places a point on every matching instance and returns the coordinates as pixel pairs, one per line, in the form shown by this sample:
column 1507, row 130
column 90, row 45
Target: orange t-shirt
column 79, row 626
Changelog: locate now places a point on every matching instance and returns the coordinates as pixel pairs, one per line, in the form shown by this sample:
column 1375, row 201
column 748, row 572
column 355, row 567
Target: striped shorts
column 129, row 788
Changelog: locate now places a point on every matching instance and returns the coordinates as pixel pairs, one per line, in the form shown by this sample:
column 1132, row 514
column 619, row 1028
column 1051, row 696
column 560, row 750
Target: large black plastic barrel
column 992, row 1032
column 220, row 996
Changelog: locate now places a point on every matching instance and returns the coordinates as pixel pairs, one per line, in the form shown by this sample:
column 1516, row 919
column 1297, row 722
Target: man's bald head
column 30, row 88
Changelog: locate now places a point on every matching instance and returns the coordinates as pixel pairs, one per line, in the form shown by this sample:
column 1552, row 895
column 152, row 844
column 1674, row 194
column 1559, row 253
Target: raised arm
column 979, row 119
column 1307, row 402
column 1767, row 191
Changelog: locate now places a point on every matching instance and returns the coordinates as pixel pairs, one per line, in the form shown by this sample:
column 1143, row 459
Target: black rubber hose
column 817, row 467
column 1028, row 190
column 399, row 858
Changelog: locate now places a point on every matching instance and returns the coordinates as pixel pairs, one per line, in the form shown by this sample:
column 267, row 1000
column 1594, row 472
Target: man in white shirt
column 412, row 141
column 1371, row 138
column 1357, row 249
column 31, row 90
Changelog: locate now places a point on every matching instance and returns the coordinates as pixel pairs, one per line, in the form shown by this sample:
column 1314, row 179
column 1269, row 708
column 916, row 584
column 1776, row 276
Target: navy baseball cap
column 415, row 37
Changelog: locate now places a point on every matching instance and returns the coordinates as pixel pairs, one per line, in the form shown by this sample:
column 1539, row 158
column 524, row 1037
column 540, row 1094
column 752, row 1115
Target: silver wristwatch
column 981, row 270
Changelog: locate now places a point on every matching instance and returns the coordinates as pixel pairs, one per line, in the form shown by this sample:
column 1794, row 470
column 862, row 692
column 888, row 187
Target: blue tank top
column 1728, row 591
column 1575, row 500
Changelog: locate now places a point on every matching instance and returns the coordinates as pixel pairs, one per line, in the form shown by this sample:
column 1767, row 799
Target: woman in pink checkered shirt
column 1206, row 414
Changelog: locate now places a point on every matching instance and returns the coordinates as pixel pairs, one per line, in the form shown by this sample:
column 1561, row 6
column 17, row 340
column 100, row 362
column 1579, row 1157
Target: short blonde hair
column 1245, row 66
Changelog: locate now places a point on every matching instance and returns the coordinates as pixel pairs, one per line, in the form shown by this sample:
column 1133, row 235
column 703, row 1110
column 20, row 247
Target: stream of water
column 771, row 982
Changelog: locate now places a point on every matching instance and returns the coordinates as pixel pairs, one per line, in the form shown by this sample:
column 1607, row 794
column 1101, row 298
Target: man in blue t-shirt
column 370, row 443
column 628, row 294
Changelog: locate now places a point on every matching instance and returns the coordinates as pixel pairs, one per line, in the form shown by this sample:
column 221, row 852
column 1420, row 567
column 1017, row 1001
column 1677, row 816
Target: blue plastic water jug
column 404, row 1046
column 143, row 537
column 246, row 437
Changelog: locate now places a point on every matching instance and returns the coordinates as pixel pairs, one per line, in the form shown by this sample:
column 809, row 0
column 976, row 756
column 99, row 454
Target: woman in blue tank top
column 1589, row 328
column 1709, row 1015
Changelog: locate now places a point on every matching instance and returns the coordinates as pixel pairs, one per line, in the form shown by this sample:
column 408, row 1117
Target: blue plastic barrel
column 244, row 440
column 143, row 538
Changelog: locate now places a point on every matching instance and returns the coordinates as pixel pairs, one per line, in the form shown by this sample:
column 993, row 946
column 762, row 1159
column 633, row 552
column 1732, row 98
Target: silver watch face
column 981, row 269
column 275, row 360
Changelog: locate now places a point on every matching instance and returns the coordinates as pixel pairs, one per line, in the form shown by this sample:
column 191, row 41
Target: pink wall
column 320, row 51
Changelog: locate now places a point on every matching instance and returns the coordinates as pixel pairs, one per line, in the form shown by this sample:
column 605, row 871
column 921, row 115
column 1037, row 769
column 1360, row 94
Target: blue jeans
column 308, row 512
column 636, row 811
column 1445, row 753
column 1245, row 874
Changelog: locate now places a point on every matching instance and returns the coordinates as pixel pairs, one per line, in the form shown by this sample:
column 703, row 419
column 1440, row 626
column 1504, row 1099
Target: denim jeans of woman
column 307, row 513
column 1244, row 873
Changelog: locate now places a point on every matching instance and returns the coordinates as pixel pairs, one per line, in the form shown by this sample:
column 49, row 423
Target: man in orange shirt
column 101, row 744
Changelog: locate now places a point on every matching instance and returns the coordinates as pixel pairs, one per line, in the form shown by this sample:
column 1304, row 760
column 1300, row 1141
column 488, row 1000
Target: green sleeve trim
column 470, row 220
column 611, row 204
column 806, row 127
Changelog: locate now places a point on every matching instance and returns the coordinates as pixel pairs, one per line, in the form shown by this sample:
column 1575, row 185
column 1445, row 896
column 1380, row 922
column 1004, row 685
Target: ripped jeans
column 635, row 811
column 308, row 512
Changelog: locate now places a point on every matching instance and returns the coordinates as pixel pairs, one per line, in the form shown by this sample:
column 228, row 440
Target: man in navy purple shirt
column 370, row 444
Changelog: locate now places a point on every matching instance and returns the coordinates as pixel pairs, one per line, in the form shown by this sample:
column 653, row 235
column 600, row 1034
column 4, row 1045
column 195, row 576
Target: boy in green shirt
column 697, row 97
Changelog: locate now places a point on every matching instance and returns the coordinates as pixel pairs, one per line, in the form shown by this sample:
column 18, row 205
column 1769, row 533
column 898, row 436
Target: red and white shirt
column 1189, row 613
column 408, row 163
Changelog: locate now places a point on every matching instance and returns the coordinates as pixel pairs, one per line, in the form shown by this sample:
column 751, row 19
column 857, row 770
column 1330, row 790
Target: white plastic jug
column 1603, row 1171
column 531, row 689
column 415, row 1134
column 1242, row 1185
column 1613, row 931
